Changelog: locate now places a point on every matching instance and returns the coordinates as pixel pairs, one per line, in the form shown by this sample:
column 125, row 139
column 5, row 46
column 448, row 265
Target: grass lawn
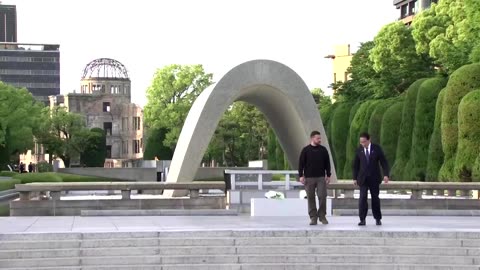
column 8, row 173
column 8, row 184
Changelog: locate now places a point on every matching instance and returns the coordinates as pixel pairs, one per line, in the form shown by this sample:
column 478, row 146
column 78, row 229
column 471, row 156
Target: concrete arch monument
column 275, row 89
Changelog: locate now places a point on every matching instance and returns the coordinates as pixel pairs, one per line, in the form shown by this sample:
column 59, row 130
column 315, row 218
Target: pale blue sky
column 147, row 34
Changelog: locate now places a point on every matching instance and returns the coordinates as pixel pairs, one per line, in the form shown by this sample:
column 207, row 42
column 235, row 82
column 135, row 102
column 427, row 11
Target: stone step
column 232, row 250
column 160, row 212
column 264, row 267
column 413, row 212
column 243, row 259
column 315, row 233
column 238, row 242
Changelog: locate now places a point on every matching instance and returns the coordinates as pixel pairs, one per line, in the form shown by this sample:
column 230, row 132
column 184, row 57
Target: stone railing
column 346, row 188
column 55, row 189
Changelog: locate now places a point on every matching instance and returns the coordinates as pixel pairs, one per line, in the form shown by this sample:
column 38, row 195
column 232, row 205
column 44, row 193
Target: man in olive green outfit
column 314, row 172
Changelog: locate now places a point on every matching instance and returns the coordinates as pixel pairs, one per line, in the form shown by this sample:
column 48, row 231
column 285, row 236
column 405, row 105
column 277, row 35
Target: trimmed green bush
column 423, row 128
column 347, row 169
column 4, row 210
column 476, row 170
column 326, row 114
column 406, row 131
column 468, row 136
column 359, row 124
column 8, row 173
column 435, row 151
column 9, row 184
column 461, row 82
column 339, row 135
column 43, row 167
column 375, row 121
column 389, row 130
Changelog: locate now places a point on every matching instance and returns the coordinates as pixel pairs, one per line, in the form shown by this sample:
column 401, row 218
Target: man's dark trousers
column 318, row 185
column 374, row 187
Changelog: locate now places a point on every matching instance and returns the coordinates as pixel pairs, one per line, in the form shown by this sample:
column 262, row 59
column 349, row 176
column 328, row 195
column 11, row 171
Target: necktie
column 367, row 154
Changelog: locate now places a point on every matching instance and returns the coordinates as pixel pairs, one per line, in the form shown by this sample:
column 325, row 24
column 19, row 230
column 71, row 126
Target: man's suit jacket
column 363, row 170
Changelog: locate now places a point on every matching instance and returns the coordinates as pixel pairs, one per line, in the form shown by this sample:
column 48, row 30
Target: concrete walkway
column 10, row 225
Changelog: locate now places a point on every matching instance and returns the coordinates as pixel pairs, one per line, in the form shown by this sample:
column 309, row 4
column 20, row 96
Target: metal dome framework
column 105, row 68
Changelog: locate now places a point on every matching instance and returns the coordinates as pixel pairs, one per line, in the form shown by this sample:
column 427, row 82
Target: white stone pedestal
column 263, row 207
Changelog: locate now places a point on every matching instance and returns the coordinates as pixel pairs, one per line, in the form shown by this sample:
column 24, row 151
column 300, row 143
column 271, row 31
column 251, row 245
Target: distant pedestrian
column 314, row 172
column 30, row 167
column 21, row 169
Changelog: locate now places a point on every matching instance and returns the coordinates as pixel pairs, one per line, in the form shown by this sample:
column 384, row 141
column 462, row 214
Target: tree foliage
column 396, row 61
column 19, row 120
column 63, row 133
column 95, row 152
column 154, row 147
column 320, row 98
column 449, row 33
column 170, row 96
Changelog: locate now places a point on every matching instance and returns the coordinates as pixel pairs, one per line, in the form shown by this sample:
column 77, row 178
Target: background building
column 341, row 63
column 8, row 23
column 105, row 101
column 408, row 8
column 33, row 66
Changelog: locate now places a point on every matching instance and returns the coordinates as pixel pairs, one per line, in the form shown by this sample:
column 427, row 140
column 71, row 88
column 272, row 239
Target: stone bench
column 25, row 190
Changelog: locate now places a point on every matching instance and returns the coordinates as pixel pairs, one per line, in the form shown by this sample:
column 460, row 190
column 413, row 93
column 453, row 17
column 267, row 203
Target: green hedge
column 339, row 135
column 58, row 177
column 476, row 170
column 154, row 146
column 347, row 169
column 423, row 128
column 390, row 129
column 461, row 82
column 326, row 114
column 8, row 173
column 435, row 151
column 359, row 124
column 468, row 136
column 375, row 122
column 9, row 184
column 406, row 131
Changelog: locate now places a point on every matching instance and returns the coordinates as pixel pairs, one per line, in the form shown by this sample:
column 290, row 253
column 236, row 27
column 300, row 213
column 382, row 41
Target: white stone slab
column 283, row 208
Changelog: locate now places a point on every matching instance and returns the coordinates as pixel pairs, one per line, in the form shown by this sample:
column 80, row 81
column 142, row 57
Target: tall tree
column 396, row 61
column 19, row 118
column 170, row 96
column 449, row 33
column 63, row 134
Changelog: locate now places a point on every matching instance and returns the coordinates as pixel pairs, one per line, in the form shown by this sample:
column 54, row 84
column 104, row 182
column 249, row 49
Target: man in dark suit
column 367, row 175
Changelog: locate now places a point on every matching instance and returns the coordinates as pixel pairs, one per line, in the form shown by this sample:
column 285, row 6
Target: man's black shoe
column 362, row 223
column 379, row 222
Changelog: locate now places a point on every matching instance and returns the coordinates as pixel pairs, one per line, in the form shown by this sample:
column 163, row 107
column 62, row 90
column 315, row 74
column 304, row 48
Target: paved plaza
column 10, row 225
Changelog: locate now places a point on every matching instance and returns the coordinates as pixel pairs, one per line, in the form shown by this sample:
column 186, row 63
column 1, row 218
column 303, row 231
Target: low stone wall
column 75, row 207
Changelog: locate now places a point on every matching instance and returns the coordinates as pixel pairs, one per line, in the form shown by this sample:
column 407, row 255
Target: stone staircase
column 242, row 250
